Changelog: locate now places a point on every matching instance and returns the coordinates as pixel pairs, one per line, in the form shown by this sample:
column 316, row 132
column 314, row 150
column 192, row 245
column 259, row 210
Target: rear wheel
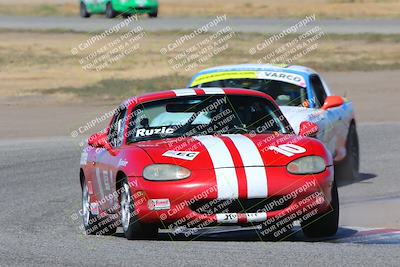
column 323, row 225
column 83, row 11
column 154, row 14
column 110, row 12
column 133, row 228
column 93, row 224
column 348, row 168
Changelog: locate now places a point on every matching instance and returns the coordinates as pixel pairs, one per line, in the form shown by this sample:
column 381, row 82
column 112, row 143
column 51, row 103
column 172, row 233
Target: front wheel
column 133, row 228
column 324, row 225
column 83, row 11
column 154, row 14
column 110, row 12
column 93, row 224
column 348, row 168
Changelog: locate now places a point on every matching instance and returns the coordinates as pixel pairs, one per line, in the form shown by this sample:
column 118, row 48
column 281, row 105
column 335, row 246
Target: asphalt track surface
column 40, row 192
column 381, row 26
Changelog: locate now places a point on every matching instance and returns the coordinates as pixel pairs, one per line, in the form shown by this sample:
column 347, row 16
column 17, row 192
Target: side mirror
column 332, row 102
column 308, row 128
column 98, row 140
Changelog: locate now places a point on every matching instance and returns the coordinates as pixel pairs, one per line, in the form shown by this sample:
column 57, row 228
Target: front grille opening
column 239, row 205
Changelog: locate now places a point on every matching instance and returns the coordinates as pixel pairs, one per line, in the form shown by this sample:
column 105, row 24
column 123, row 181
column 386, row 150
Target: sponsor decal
column 288, row 150
column 94, row 208
column 227, row 217
column 90, row 187
column 256, row 217
column 187, row 155
column 99, row 183
column 106, row 178
column 184, row 92
column 224, row 75
column 158, row 204
column 213, row 91
column 234, row 217
column 149, row 132
column 282, row 76
column 267, row 75
column 122, row 163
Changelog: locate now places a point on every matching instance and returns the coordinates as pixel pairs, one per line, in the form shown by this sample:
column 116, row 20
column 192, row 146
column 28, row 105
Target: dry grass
column 40, row 9
column 282, row 8
column 36, row 63
column 233, row 8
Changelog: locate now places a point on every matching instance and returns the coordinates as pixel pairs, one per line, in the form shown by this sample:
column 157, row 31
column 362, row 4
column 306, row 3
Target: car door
column 95, row 6
column 330, row 121
column 107, row 162
column 102, row 5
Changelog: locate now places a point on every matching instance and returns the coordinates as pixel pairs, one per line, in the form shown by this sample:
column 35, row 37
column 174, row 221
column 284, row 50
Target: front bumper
column 193, row 202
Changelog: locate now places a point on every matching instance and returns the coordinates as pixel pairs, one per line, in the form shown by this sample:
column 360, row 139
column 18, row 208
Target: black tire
column 348, row 168
column 132, row 227
column 154, row 14
column 83, row 11
column 326, row 224
column 110, row 12
column 126, row 15
column 93, row 224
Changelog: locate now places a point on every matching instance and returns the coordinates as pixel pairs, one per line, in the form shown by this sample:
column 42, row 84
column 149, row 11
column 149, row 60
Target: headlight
column 165, row 172
column 307, row 165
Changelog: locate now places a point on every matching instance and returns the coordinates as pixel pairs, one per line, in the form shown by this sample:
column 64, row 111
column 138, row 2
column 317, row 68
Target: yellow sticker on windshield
column 282, row 76
column 218, row 76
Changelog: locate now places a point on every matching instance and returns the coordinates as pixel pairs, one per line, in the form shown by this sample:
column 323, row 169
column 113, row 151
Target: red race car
column 192, row 158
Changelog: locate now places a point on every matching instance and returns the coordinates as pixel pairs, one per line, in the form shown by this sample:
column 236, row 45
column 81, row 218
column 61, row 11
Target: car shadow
column 248, row 234
column 252, row 234
column 362, row 177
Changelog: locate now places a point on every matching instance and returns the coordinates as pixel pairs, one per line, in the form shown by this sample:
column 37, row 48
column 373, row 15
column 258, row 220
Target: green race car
column 114, row 7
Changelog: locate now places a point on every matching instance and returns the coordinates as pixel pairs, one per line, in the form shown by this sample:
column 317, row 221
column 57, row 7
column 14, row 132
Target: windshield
column 205, row 115
column 285, row 94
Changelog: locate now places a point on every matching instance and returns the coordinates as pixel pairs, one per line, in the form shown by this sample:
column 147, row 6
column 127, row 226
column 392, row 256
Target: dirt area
column 35, row 118
column 282, row 9
column 44, row 86
column 45, row 64
column 374, row 94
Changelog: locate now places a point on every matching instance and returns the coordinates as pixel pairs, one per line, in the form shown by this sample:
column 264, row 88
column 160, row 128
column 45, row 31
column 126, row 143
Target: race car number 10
column 288, row 149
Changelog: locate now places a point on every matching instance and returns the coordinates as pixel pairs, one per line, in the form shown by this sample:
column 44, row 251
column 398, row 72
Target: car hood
column 296, row 115
column 232, row 150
